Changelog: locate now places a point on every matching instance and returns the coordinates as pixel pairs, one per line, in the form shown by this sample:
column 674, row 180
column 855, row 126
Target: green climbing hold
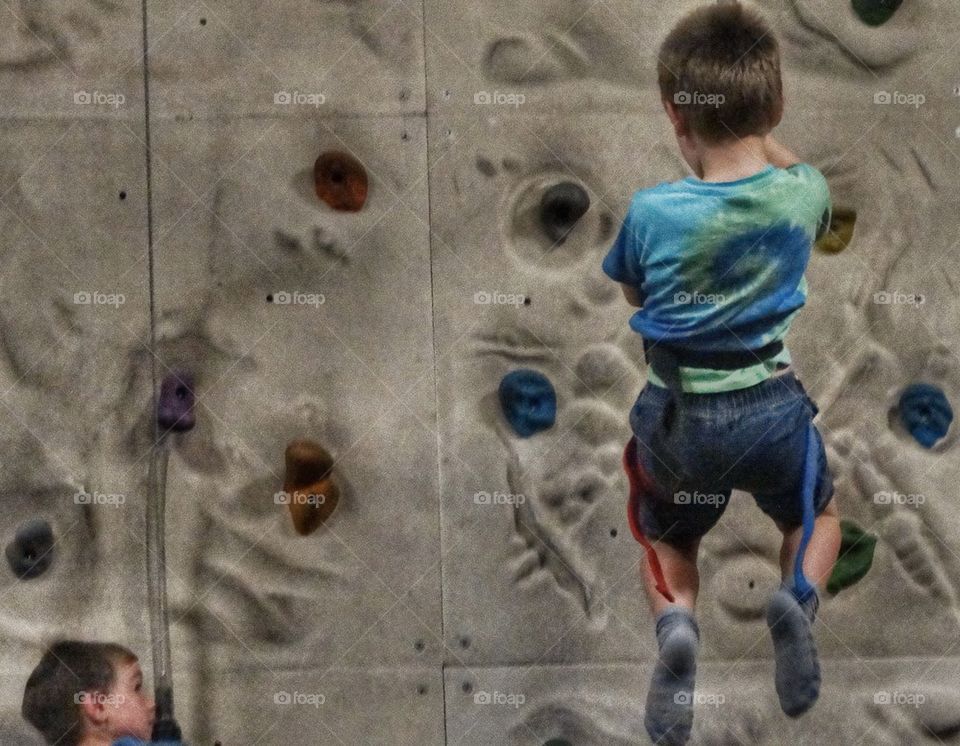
column 876, row 12
column 855, row 557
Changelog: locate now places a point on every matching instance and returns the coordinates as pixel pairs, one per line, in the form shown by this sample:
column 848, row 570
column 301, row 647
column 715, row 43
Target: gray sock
column 797, row 669
column 669, row 715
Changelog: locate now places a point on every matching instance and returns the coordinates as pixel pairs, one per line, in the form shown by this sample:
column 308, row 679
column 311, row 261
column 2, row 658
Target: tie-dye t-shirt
column 719, row 266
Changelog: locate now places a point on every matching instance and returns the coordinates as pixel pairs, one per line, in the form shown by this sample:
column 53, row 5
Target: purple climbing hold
column 175, row 407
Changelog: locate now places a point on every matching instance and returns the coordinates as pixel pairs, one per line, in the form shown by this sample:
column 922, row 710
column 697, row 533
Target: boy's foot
column 797, row 669
column 669, row 715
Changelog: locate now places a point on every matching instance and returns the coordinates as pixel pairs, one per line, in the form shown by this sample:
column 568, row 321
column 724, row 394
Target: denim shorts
column 751, row 439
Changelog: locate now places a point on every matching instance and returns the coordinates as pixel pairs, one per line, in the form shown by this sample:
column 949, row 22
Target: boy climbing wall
column 715, row 263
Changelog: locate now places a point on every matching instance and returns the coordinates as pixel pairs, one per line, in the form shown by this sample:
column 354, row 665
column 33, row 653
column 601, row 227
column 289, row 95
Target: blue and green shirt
column 718, row 266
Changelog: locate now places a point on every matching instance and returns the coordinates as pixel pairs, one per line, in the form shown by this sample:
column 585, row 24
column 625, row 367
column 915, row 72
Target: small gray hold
column 561, row 206
column 30, row 554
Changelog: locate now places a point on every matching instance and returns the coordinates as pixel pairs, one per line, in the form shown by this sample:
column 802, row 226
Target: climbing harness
column 665, row 360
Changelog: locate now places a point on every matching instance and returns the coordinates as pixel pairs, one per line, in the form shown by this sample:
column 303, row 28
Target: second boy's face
column 133, row 713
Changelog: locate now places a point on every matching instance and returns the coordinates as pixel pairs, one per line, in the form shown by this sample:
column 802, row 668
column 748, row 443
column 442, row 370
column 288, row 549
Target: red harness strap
column 640, row 484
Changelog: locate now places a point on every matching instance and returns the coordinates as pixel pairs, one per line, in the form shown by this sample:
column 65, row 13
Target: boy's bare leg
column 822, row 550
column 797, row 668
column 680, row 571
column 669, row 712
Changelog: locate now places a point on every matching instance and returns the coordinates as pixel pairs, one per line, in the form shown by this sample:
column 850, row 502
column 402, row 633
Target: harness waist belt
column 724, row 360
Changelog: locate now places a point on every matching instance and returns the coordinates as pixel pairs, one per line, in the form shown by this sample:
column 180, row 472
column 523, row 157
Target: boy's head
column 719, row 70
column 87, row 692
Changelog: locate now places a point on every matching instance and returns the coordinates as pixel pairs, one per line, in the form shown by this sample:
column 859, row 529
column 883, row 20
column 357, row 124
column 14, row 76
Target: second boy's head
column 719, row 75
column 87, row 692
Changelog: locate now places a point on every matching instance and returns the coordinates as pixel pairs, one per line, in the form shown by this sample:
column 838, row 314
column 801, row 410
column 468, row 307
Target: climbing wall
column 471, row 585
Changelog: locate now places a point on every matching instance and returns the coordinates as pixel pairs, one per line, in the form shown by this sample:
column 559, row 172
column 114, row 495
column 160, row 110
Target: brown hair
column 68, row 668
column 721, row 66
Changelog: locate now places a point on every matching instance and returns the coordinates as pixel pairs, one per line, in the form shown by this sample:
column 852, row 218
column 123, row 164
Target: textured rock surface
column 462, row 559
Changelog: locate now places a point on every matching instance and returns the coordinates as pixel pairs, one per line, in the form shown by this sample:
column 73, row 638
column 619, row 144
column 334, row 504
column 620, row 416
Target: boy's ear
column 93, row 709
column 778, row 115
column 679, row 126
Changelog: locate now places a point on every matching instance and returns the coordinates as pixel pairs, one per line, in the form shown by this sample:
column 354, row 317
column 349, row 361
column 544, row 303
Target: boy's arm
column 621, row 263
column 780, row 157
column 631, row 294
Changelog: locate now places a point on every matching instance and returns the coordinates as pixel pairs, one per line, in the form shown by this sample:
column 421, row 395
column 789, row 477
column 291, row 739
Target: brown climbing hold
column 340, row 181
column 309, row 489
column 840, row 233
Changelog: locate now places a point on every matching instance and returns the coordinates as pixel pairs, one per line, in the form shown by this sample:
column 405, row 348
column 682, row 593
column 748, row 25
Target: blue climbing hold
column 528, row 400
column 30, row 554
column 925, row 412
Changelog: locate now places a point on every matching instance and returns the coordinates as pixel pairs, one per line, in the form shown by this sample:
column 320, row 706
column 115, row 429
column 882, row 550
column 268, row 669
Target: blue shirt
column 719, row 266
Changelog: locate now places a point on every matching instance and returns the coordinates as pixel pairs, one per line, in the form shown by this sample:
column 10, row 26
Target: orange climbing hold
column 308, row 485
column 340, row 181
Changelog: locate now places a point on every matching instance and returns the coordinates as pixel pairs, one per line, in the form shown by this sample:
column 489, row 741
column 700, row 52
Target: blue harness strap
column 801, row 586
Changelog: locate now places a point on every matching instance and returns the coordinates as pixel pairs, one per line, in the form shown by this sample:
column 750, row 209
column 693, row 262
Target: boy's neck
column 732, row 160
column 96, row 739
